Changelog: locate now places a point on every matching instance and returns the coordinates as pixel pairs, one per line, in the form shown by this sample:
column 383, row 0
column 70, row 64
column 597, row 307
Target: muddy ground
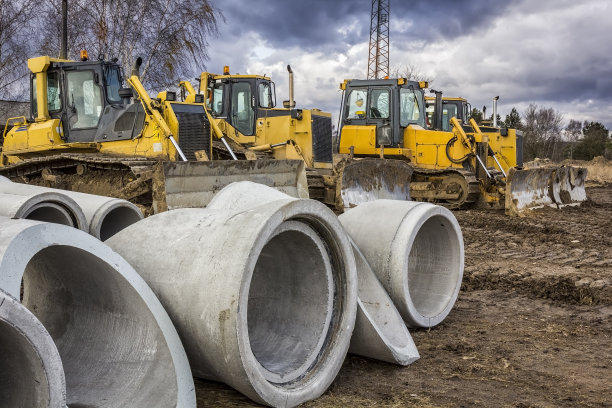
column 532, row 326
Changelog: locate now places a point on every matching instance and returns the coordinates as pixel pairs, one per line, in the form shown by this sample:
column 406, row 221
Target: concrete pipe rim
column 45, row 243
column 112, row 217
column 327, row 363
column 62, row 205
column 36, row 355
column 420, row 310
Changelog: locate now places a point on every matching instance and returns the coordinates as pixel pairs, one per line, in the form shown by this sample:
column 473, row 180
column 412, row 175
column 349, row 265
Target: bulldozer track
column 34, row 166
column 470, row 185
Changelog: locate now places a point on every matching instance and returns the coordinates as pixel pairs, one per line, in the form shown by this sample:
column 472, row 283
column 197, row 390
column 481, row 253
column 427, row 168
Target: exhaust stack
column 495, row 111
column 136, row 67
column 291, row 103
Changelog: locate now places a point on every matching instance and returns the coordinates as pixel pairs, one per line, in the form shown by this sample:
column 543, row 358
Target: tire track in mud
column 563, row 255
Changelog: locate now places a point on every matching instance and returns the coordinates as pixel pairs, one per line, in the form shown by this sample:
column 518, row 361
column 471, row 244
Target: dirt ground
column 532, row 326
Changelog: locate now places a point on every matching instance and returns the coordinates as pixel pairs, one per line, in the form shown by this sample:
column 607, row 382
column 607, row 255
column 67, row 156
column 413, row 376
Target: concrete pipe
column 262, row 290
column 117, row 344
column 31, row 372
column 415, row 250
column 380, row 332
column 104, row 216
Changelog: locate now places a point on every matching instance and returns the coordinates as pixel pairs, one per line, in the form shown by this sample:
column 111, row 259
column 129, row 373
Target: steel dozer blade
column 372, row 179
column 555, row 187
column 193, row 184
column 568, row 186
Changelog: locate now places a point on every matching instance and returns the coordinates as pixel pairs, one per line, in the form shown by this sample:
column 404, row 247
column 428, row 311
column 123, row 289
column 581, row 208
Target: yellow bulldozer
column 247, row 124
column 87, row 132
column 452, row 160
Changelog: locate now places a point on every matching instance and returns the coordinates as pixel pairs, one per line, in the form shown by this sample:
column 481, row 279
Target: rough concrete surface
column 31, row 372
column 116, row 341
column 531, row 327
column 101, row 216
column 261, row 287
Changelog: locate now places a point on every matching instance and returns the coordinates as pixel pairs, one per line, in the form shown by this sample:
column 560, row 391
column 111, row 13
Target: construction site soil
column 532, row 326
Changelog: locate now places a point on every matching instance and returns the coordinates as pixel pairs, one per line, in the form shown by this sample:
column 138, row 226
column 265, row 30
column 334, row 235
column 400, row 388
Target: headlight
column 383, row 136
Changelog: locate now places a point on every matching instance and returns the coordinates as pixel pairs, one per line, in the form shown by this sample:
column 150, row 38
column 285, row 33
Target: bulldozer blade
column 568, row 186
column 372, row 179
column 555, row 187
column 193, row 184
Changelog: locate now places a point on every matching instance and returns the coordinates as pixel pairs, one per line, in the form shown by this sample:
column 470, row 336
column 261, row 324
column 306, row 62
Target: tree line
column 171, row 36
column 545, row 137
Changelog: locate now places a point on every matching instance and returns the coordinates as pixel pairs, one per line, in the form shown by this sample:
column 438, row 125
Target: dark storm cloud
column 315, row 24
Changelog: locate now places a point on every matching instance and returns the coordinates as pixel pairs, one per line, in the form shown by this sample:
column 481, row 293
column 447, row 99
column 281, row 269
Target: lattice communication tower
column 378, row 60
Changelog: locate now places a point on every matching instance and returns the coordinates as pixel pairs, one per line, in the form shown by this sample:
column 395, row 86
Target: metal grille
column 194, row 129
column 322, row 138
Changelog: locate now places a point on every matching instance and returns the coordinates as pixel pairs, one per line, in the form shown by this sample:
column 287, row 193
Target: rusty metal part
column 535, row 188
column 451, row 188
column 369, row 179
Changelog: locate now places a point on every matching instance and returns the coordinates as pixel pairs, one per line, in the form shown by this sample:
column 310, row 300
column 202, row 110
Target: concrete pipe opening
column 23, row 381
column 31, row 373
column 290, row 302
column 50, row 212
column 434, row 269
column 110, row 344
column 116, row 219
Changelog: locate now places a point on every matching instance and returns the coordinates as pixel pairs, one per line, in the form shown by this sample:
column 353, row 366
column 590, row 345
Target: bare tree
column 16, row 22
column 572, row 133
column 410, row 72
column 542, row 132
column 171, row 36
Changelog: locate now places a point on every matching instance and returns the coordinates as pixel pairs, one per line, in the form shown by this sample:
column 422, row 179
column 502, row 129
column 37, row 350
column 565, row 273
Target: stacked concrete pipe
column 415, row 250
column 101, row 216
column 31, row 372
column 117, row 344
column 261, row 287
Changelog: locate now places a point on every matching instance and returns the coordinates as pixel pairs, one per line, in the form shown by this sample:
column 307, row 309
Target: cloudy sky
column 554, row 53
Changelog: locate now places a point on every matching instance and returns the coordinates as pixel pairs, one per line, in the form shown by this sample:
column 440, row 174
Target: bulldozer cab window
column 410, row 108
column 242, row 111
column 449, row 110
column 84, row 99
column 217, row 99
column 379, row 104
column 356, row 108
column 112, row 79
column 54, row 100
column 267, row 97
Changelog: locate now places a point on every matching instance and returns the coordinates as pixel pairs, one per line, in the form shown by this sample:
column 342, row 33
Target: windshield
column 410, row 107
column 85, row 99
column 379, row 104
column 449, row 110
column 355, row 108
column 112, row 79
column 267, row 99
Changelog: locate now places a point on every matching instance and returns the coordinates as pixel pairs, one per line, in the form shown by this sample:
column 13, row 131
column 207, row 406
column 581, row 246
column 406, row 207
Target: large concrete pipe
column 31, row 372
column 44, row 206
column 415, row 250
column 380, row 332
column 117, row 343
column 260, row 286
column 105, row 216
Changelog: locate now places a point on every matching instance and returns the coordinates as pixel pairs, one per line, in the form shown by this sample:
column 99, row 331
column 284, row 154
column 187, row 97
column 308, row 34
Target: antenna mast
column 378, row 60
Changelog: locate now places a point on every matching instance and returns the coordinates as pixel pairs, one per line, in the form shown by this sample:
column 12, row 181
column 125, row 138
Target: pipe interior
column 434, row 266
column 50, row 212
column 111, row 347
column 290, row 304
column 23, row 380
column 116, row 220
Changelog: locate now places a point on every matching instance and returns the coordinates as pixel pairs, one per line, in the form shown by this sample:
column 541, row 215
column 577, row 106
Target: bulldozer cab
column 86, row 96
column 376, row 112
column 451, row 107
column 241, row 100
